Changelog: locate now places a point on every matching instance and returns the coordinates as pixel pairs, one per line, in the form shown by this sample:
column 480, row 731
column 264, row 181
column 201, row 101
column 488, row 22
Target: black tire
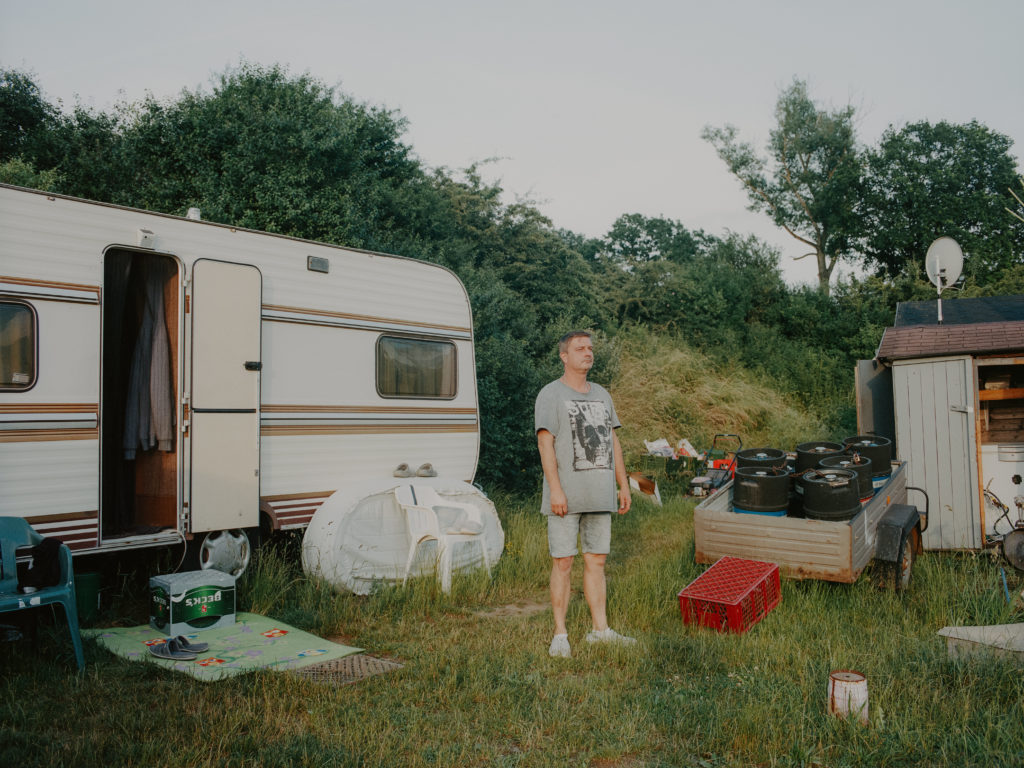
column 897, row 576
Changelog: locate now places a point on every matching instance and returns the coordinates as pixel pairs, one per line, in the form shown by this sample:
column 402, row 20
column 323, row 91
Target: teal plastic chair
column 14, row 534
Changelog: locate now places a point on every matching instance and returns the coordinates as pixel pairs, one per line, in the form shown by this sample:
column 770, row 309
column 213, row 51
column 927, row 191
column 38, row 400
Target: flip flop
column 170, row 649
column 187, row 645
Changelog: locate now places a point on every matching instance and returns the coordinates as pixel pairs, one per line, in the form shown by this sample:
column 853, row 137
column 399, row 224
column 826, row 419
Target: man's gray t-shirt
column 582, row 425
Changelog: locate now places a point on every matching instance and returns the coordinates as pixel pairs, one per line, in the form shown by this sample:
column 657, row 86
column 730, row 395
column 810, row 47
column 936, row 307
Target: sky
column 591, row 110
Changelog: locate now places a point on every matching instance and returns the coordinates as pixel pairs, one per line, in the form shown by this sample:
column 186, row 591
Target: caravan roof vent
column 145, row 238
column 193, row 213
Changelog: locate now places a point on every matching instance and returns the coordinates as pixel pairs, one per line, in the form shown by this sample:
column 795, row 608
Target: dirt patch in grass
column 519, row 609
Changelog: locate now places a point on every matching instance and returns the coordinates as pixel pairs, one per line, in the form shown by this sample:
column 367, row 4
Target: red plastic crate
column 732, row 594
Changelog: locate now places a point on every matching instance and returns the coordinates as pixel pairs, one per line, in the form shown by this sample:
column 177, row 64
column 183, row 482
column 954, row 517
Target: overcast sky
column 594, row 108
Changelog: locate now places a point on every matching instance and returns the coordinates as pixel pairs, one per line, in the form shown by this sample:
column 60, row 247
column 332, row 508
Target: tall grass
column 478, row 688
column 665, row 388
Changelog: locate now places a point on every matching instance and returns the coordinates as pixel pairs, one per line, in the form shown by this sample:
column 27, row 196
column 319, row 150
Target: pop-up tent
column 361, row 536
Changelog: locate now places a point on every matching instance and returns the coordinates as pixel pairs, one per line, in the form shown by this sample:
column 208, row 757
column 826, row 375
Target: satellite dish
column 944, row 262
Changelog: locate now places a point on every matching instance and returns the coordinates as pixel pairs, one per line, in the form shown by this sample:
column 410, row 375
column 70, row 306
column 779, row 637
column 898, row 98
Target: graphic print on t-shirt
column 591, row 425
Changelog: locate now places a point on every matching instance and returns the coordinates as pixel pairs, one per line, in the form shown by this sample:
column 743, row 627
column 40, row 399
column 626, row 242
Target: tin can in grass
column 848, row 695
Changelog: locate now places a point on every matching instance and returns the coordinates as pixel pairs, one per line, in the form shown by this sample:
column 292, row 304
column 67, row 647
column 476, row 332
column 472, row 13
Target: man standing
column 582, row 460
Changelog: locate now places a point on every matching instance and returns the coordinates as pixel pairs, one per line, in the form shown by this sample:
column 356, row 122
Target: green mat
column 252, row 642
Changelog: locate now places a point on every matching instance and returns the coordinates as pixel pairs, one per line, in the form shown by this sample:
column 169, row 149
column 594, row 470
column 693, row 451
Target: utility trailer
column 886, row 529
column 165, row 379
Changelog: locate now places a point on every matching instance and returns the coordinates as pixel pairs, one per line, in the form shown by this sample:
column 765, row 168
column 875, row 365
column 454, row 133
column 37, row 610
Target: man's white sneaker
column 609, row 635
column 560, row 647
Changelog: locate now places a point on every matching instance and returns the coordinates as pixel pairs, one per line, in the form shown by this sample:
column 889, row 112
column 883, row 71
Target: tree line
column 272, row 151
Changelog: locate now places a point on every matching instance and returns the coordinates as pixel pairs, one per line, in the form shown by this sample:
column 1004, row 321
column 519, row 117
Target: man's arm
column 625, row 500
column 546, row 446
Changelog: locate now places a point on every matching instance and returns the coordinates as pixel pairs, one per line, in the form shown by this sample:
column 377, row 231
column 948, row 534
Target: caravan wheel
column 227, row 551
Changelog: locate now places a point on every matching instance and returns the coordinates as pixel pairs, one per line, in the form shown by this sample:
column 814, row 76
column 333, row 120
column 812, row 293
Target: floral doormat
column 252, row 642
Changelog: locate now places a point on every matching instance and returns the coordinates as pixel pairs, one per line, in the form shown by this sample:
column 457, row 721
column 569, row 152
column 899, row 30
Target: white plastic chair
column 421, row 504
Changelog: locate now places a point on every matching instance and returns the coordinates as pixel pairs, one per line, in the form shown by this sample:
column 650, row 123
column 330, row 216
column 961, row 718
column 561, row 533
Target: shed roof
column 989, row 325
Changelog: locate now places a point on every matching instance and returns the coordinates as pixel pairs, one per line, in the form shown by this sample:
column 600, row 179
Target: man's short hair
column 563, row 343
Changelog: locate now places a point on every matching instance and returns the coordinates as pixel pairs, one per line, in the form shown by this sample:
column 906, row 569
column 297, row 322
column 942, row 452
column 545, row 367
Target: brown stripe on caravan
column 46, row 435
column 65, row 517
column 363, row 409
column 79, row 530
column 296, row 496
column 50, row 408
column 361, row 318
column 293, row 510
column 56, row 286
column 364, row 429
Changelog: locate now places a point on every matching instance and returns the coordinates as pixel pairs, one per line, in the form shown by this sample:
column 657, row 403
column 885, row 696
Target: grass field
column 478, row 688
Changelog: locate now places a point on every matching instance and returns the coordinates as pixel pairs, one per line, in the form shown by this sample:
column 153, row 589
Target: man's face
column 579, row 354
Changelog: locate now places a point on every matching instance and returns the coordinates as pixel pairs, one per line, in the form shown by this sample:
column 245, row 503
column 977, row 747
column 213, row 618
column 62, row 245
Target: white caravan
column 166, row 379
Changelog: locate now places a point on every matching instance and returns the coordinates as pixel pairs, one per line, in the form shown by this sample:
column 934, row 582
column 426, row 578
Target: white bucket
column 848, row 695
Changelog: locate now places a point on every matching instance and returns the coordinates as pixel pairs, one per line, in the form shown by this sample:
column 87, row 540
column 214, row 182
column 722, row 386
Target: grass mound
column 665, row 388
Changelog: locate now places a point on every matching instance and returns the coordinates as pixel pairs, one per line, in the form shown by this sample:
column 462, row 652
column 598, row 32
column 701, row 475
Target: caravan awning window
column 17, row 346
column 409, row 367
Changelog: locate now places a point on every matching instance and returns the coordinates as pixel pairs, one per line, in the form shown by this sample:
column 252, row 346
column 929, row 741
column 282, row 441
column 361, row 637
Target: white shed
column 951, row 397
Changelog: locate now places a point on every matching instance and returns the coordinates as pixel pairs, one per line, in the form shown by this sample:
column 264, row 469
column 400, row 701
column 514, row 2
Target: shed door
column 225, row 431
column 934, row 405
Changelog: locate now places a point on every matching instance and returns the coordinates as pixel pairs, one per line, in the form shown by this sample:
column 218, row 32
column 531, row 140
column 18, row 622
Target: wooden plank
column 1000, row 394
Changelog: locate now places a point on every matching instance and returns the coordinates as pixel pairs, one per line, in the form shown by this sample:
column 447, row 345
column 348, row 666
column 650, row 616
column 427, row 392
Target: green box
column 181, row 603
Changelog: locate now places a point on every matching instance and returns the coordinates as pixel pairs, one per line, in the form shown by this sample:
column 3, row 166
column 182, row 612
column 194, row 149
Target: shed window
column 415, row 367
column 17, row 346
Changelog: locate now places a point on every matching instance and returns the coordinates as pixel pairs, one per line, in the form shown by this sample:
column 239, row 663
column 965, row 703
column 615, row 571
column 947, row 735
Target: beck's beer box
column 188, row 602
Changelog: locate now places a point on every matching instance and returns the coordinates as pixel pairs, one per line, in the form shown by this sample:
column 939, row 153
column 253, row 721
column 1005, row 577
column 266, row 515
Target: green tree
column 26, row 118
column 925, row 181
column 635, row 239
column 810, row 181
column 270, row 151
column 23, row 174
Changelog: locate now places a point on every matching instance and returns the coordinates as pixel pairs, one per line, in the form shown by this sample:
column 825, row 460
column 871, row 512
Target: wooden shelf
column 1001, row 394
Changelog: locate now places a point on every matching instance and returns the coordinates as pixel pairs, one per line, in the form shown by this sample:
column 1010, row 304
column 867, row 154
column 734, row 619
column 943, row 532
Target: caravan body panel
column 322, row 417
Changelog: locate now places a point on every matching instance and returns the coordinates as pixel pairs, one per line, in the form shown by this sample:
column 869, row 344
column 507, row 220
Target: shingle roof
column 937, row 340
column 987, row 325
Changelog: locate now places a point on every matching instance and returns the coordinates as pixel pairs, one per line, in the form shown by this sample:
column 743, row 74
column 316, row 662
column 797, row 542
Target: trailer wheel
column 899, row 573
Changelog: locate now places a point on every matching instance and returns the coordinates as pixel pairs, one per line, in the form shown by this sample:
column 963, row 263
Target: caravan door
column 225, row 420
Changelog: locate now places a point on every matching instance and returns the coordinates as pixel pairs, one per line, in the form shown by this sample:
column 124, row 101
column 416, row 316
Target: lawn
column 478, row 688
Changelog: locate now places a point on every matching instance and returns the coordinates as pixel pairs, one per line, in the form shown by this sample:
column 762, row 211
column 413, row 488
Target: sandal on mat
column 171, row 649
column 187, row 645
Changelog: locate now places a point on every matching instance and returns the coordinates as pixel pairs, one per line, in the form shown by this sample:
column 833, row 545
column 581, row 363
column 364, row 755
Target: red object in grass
column 732, row 594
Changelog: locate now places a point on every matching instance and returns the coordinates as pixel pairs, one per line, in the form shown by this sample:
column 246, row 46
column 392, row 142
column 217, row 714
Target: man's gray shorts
column 593, row 528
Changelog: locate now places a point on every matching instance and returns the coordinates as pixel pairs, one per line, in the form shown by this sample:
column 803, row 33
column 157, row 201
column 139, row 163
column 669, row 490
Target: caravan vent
column 144, row 238
column 318, row 264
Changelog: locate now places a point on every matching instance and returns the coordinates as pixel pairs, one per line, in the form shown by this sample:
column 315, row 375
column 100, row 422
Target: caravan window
column 409, row 367
column 17, row 345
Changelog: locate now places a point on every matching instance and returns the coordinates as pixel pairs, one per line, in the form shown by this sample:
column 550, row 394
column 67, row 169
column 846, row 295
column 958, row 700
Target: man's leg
column 595, row 540
column 595, row 589
column 562, row 534
column 561, row 578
